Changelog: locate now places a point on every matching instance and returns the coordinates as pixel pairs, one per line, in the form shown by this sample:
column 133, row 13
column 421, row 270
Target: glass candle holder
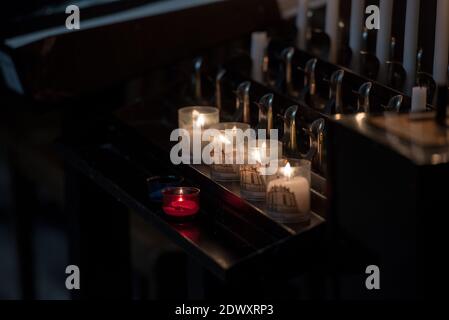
column 254, row 173
column 288, row 192
column 181, row 202
column 223, row 170
column 158, row 183
column 197, row 117
column 195, row 120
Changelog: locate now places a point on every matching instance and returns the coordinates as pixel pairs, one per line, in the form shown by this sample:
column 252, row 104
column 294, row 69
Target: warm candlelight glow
column 287, row 170
column 257, row 156
column 198, row 119
column 288, row 193
column 223, row 139
column 180, row 203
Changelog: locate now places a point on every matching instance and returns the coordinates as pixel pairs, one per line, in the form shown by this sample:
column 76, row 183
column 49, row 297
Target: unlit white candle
column 419, row 99
column 384, row 36
column 441, row 43
column 301, row 24
column 355, row 32
column 411, row 41
column 331, row 28
column 259, row 43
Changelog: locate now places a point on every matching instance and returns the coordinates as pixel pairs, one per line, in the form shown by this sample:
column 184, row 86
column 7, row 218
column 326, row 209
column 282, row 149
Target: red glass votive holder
column 181, row 203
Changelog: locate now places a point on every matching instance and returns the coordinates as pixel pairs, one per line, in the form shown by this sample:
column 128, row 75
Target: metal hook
column 243, row 101
column 265, row 105
column 309, row 77
column 219, row 89
column 316, row 136
column 290, row 139
column 394, row 104
column 287, row 55
column 197, row 66
column 335, row 90
column 363, row 100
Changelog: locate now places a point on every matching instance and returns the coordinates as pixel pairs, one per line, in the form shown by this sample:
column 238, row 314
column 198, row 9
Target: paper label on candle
column 288, row 199
column 252, row 182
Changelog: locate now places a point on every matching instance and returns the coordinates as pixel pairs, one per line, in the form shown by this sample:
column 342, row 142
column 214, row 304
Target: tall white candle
column 384, row 36
column 259, row 43
column 419, row 99
column 411, row 41
column 355, row 32
column 331, row 28
column 301, row 23
column 441, row 43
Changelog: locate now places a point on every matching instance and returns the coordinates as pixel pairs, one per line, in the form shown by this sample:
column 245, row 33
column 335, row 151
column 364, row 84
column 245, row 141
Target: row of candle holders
column 264, row 175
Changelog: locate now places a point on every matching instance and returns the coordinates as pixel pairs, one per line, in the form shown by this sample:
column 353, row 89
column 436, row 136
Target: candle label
column 225, row 172
column 282, row 205
column 252, row 182
column 281, row 200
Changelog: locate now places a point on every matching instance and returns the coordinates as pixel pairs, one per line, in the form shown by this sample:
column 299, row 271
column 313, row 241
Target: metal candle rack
column 315, row 89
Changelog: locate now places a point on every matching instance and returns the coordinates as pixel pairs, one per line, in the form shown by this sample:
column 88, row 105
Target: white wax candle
column 355, row 32
column 384, row 36
column 331, row 28
column 411, row 41
column 301, row 23
column 419, row 99
column 279, row 189
column 441, row 43
column 259, row 43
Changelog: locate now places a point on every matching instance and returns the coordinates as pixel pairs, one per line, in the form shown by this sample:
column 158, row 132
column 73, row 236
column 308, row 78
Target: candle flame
column 257, row 156
column 198, row 119
column 287, row 171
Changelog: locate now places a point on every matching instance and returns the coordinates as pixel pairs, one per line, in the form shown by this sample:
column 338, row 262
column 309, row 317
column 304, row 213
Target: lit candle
column 181, row 202
column 194, row 120
column 411, row 41
column 190, row 118
column 301, row 23
column 441, row 43
column 253, row 174
column 288, row 196
column 198, row 120
column 331, row 28
column 384, row 36
column 227, row 169
column 419, row 99
column 355, row 33
column 259, row 44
